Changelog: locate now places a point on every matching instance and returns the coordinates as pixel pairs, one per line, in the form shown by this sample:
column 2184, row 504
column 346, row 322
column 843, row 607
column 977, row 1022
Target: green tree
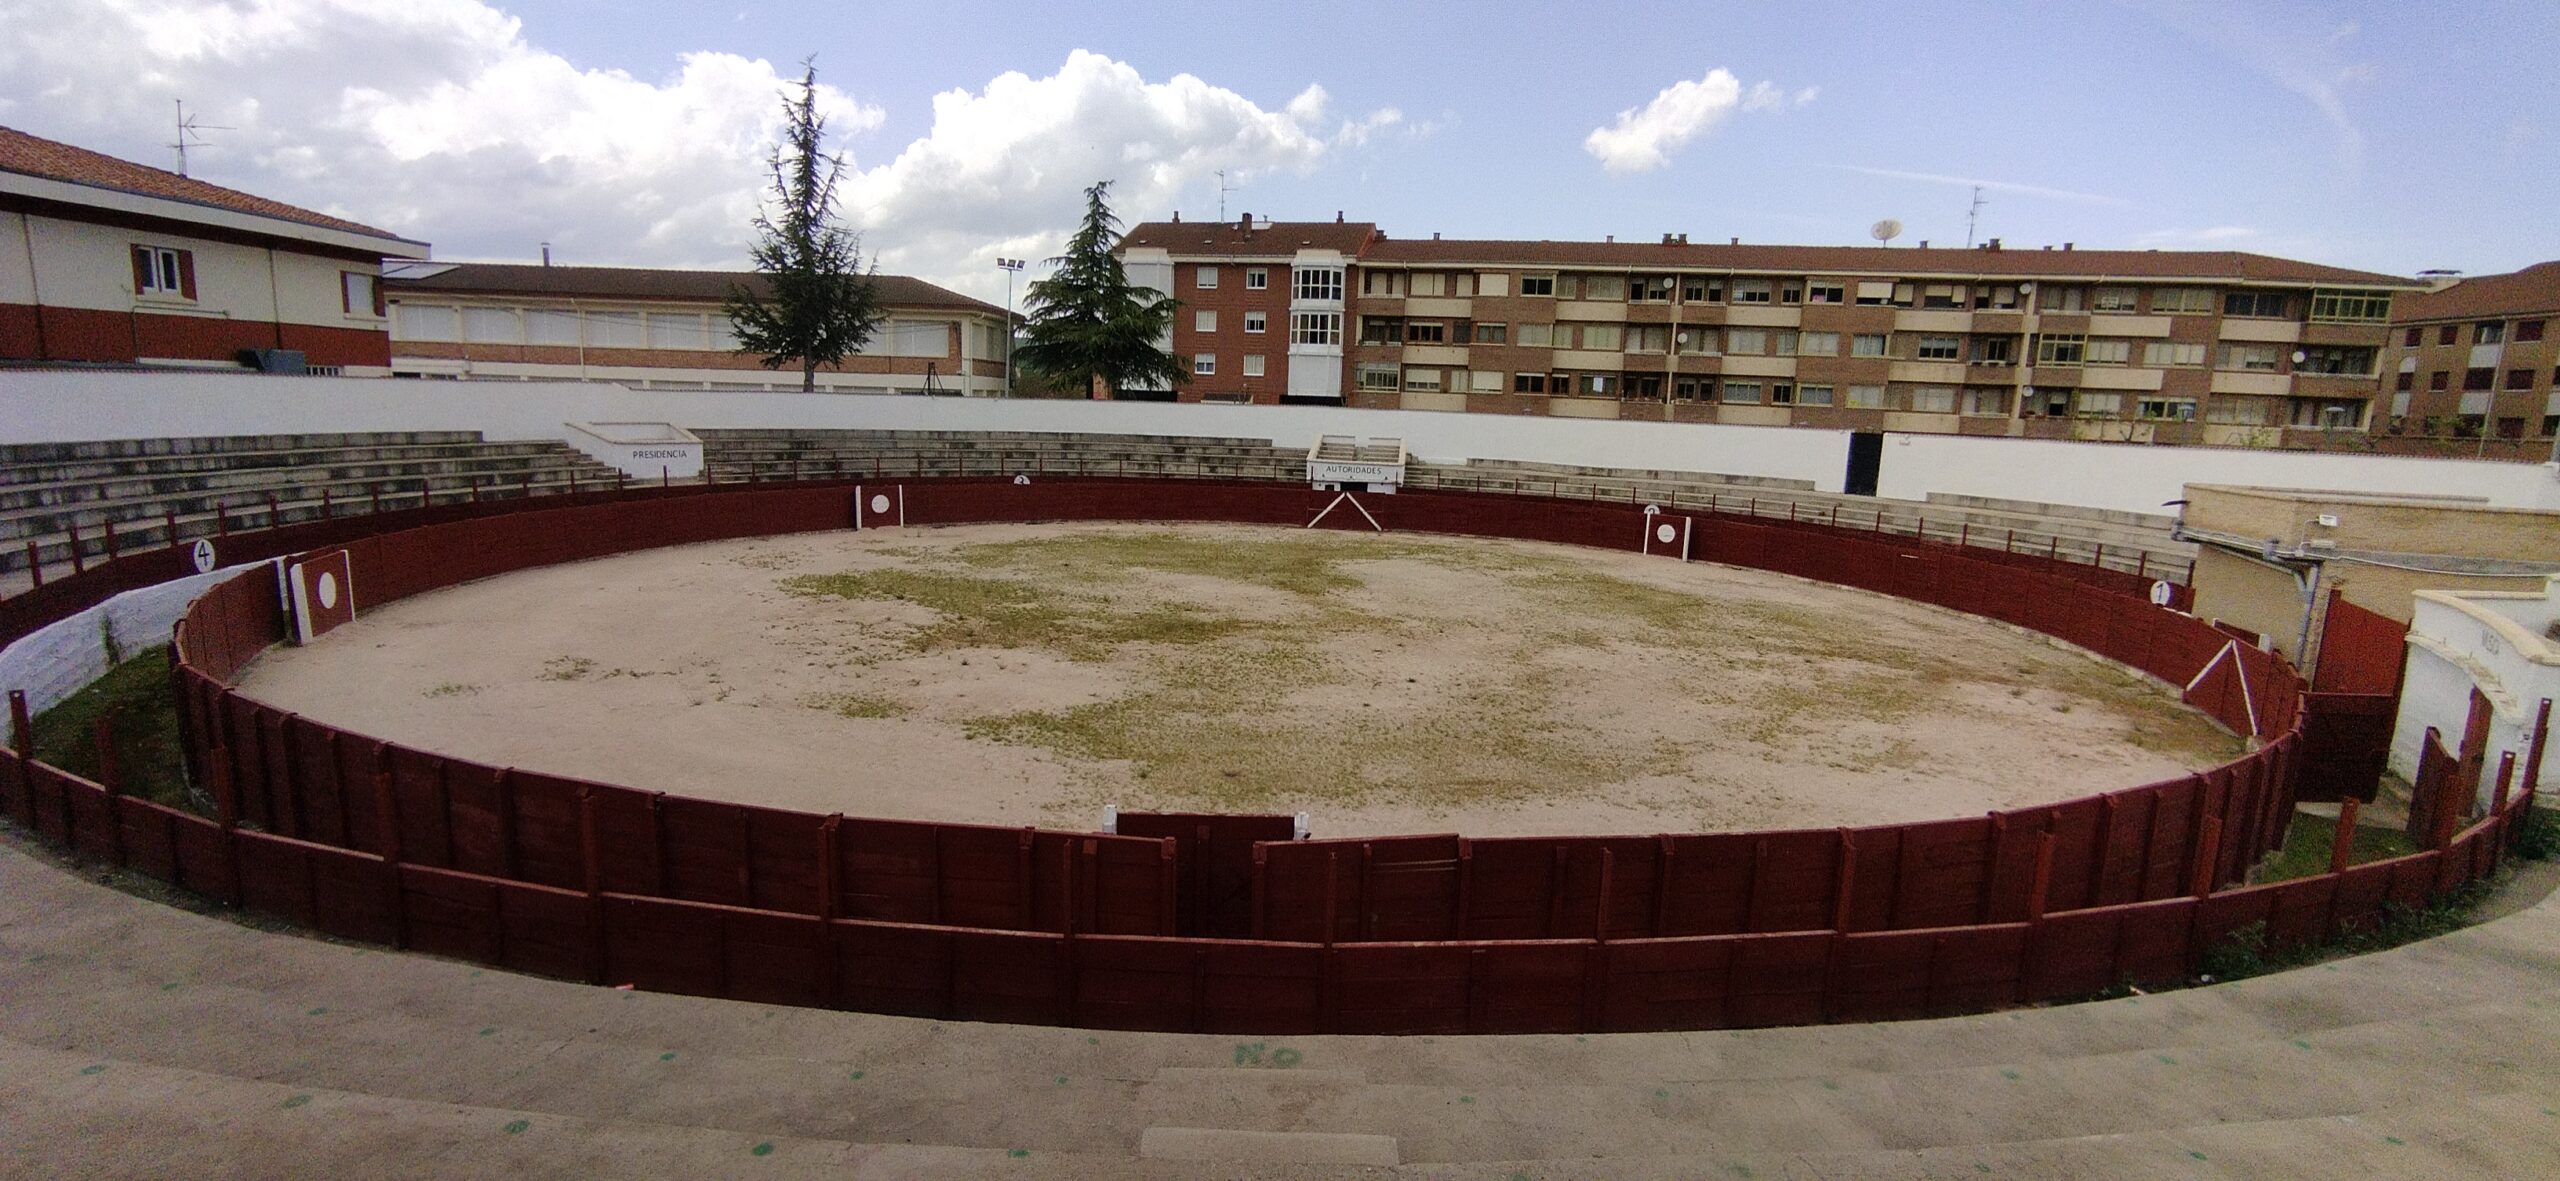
column 818, row 305
column 1088, row 324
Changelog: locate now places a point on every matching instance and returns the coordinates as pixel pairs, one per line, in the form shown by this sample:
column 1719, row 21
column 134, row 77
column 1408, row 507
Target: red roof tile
column 34, row 156
column 534, row 279
column 2225, row 265
column 2533, row 289
column 1278, row 239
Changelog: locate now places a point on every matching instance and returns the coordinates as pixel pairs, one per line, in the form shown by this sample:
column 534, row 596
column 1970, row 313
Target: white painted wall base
column 54, row 661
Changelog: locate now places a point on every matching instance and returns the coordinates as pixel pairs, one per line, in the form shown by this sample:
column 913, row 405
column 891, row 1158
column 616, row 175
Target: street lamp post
column 1010, row 266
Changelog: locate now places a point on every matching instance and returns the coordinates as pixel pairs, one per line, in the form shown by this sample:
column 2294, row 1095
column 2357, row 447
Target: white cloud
column 1642, row 140
column 439, row 120
column 1997, row 186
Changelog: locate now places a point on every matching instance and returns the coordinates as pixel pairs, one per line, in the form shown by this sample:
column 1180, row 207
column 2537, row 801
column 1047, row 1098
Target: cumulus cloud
column 438, row 119
column 1643, row 139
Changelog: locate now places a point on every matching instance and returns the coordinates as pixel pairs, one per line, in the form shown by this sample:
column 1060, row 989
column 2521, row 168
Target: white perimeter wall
column 2141, row 479
column 55, row 406
column 54, row 661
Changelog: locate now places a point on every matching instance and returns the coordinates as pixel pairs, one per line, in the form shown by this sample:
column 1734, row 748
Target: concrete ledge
column 1268, row 1148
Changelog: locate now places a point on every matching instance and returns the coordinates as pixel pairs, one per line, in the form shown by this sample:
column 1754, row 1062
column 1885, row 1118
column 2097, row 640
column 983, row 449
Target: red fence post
column 2039, row 893
column 1844, row 886
column 226, row 810
column 22, row 740
column 2342, row 843
column 325, row 511
column 35, row 568
column 169, row 526
column 111, row 540
column 78, row 563
column 2208, row 857
column 221, row 519
column 375, row 490
column 386, row 815
column 592, row 870
column 275, row 512
column 2506, row 779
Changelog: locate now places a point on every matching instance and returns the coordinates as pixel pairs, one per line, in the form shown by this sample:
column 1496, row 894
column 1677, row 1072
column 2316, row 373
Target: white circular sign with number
column 2160, row 593
column 1022, row 479
column 328, row 589
column 1665, row 532
column 203, row 555
column 880, row 503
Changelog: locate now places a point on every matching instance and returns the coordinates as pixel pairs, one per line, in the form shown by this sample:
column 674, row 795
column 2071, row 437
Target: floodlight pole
column 1010, row 266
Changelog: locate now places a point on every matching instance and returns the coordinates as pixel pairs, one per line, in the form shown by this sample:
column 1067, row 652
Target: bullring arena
column 1618, row 830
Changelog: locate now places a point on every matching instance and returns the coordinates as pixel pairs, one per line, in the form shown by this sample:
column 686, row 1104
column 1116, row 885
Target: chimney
column 1177, row 217
column 1995, row 244
column 1733, row 241
column 1435, row 235
column 1684, row 239
column 1609, row 237
column 1245, row 223
column 546, row 254
column 1924, row 243
column 2067, row 245
column 1670, row 239
column 2048, row 246
column 1337, row 217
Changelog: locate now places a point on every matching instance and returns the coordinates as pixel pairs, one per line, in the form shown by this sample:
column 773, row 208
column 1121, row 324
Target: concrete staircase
column 736, row 455
column 211, row 1048
column 142, row 487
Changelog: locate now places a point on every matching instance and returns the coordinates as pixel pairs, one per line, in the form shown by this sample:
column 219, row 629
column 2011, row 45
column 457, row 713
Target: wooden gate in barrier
column 1213, row 858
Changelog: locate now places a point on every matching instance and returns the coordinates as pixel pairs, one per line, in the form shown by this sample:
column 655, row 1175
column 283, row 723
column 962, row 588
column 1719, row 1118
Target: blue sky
column 2387, row 136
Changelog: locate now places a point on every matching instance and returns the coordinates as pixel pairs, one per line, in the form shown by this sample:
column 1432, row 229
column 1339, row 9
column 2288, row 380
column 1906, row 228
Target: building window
column 2253, row 303
column 1430, row 283
column 1253, row 365
column 1386, row 330
column 2167, row 409
column 1640, row 385
column 1538, row 285
column 359, row 294
column 1751, row 291
column 1317, row 328
column 1984, row 402
column 1322, row 283
column 1377, row 282
column 1204, row 320
column 2167, row 353
column 1256, row 321
column 1875, row 293
column 2478, row 379
column 1746, row 342
column 1207, row 279
column 2113, row 299
column 1204, row 364
column 165, row 273
column 1649, row 290
column 1702, row 289
column 1939, row 348
column 2448, row 333
column 2336, row 360
column 2435, row 380
column 1425, row 332
column 1933, row 399
column 2328, row 414
column 1648, row 338
column 2519, row 379
column 1995, row 350
column 1492, row 334
column 2107, row 352
column 1742, row 392
column 2409, row 339
column 1813, row 395
column 1426, row 381
column 1818, row 344
column 1784, row 342
column 2489, row 332
column 1593, row 385
column 1790, row 293
column 1866, row 397
column 1600, row 337
column 2063, row 299
column 2170, row 301
column 1256, row 278
column 1528, row 383
column 427, row 321
column 2406, row 380
column 2353, row 306
column 1867, row 344
column 2054, row 348
column 2098, row 405
column 1942, row 296
column 500, row 326
column 1537, row 336
column 2528, row 330
column 1376, row 377
column 667, row 330
column 2259, row 358
column 1493, row 284
column 2237, row 411
column 1826, row 291
column 1782, row 393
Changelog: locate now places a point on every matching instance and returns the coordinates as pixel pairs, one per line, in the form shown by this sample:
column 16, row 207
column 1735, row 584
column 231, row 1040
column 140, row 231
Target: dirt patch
column 1021, row 674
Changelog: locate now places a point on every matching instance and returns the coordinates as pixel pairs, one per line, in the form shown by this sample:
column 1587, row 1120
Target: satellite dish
column 1885, row 231
column 2299, row 356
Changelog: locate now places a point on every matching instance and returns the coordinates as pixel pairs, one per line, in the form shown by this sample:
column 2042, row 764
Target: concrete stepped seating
column 780, row 454
column 56, row 496
column 206, row 1045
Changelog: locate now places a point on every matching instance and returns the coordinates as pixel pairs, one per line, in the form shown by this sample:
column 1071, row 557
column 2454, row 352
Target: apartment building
column 1264, row 314
column 666, row 329
column 2158, row 346
column 104, row 260
column 2472, row 359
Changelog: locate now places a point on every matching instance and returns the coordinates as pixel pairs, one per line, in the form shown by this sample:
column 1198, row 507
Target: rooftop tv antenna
column 1971, row 213
column 1885, row 231
column 1223, row 189
column 188, row 136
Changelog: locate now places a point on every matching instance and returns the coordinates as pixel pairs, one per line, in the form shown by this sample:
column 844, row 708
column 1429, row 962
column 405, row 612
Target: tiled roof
column 34, row 156
column 494, row 278
column 2533, row 289
column 2225, row 265
column 1278, row 239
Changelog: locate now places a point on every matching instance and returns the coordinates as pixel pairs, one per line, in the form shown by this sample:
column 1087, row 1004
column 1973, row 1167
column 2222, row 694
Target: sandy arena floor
column 1030, row 674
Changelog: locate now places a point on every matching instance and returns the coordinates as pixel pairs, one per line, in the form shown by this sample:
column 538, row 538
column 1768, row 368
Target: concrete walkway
column 139, row 1040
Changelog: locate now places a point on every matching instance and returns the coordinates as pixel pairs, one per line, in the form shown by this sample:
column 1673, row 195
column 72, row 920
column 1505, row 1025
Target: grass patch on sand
column 856, row 705
column 145, row 729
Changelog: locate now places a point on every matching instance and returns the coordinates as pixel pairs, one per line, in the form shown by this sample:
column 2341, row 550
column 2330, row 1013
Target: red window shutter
column 141, row 269
column 187, row 274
